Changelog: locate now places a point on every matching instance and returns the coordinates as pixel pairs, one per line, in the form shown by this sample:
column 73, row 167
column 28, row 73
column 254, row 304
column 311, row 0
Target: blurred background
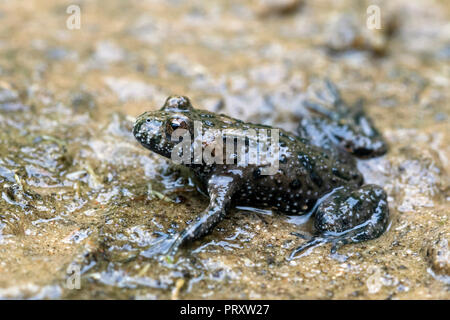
column 81, row 199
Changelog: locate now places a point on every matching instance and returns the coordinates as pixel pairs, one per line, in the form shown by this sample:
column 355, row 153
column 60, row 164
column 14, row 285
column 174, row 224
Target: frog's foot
column 310, row 243
column 331, row 123
column 220, row 189
column 313, row 242
column 167, row 246
column 349, row 216
column 163, row 246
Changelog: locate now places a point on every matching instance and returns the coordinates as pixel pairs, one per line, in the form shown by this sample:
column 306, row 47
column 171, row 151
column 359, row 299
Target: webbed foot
column 311, row 243
column 163, row 246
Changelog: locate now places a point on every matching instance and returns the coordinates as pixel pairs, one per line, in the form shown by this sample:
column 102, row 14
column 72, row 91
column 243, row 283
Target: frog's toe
column 302, row 236
column 311, row 243
column 317, row 241
column 352, row 216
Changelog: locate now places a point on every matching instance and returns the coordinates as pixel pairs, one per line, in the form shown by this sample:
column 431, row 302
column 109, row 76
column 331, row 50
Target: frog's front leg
column 349, row 216
column 220, row 189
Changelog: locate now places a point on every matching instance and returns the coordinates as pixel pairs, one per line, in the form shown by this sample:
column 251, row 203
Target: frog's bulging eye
column 175, row 124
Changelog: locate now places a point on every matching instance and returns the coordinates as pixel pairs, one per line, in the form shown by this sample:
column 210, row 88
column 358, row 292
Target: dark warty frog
column 316, row 171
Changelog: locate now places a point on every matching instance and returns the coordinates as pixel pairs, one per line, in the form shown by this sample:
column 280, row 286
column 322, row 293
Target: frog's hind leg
column 349, row 216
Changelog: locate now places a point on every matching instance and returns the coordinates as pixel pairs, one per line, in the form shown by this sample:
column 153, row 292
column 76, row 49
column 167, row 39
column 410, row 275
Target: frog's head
column 154, row 129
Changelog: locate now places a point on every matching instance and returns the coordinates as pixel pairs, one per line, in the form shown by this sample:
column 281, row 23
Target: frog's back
column 305, row 173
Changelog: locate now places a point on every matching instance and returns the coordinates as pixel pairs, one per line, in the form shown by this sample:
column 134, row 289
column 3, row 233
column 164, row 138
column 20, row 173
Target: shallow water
column 79, row 193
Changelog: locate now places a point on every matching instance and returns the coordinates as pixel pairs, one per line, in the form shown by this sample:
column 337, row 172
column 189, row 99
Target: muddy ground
column 79, row 193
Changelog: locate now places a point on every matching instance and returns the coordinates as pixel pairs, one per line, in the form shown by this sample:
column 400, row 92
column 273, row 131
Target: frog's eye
column 177, row 104
column 175, row 124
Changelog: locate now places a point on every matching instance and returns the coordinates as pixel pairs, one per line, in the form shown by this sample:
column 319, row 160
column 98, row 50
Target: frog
column 316, row 172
